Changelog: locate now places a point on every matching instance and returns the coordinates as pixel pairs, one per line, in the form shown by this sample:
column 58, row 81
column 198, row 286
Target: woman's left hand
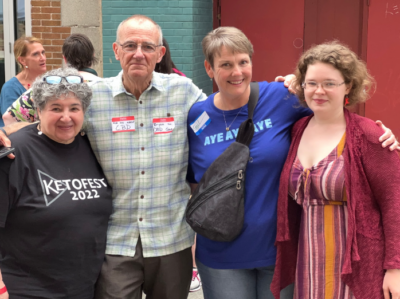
column 388, row 138
column 391, row 284
column 287, row 81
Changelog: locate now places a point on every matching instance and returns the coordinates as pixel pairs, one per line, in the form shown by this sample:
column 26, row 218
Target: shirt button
column 142, row 172
column 142, row 196
column 168, row 114
column 142, row 148
column 141, row 125
column 140, row 219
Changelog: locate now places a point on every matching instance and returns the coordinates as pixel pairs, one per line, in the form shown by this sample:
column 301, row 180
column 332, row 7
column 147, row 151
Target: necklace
column 226, row 125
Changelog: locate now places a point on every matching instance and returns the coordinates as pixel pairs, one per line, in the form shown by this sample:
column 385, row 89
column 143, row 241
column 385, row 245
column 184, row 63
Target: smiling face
column 321, row 100
column 35, row 58
column 62, row 119
column 232, row 73
column 139, row 64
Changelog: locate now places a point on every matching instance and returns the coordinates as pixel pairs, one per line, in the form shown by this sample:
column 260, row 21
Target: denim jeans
column 239, row 283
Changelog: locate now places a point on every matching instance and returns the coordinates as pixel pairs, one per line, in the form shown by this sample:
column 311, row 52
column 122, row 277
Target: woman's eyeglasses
column 326, row 85
column 58, row 79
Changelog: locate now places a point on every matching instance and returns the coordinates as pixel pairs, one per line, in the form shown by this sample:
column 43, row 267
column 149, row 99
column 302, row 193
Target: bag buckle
column 238, row 185
column 240, row 175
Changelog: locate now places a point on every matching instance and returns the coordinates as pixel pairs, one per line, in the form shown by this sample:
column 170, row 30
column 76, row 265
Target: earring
column 26, row 66
column 211, row 79
column 346, row 100
column 40, row 130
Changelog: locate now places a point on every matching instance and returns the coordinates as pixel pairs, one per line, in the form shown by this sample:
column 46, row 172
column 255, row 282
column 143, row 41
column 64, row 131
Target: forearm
column 14, row 127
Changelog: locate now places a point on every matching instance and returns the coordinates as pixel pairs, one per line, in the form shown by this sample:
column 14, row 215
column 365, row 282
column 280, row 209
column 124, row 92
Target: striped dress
column 320, row 191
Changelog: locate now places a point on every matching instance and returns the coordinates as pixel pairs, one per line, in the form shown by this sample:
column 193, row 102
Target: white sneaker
column 195, row 285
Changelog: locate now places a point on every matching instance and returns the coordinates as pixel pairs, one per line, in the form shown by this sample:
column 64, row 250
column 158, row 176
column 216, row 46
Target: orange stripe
column 341, row 144
column 329, row 234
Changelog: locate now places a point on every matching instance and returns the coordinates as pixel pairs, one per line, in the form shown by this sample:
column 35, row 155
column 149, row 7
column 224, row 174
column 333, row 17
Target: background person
column 31, row 58
column 54, row 201
column 166, row 65
column 78, row 52
column 338, row 209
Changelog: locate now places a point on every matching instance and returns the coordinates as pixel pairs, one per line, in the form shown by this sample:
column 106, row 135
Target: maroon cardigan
column 372, row 180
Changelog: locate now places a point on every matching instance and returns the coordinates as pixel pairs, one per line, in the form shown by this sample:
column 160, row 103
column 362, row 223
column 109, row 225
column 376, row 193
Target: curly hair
column 353, row 70
column 42, row 92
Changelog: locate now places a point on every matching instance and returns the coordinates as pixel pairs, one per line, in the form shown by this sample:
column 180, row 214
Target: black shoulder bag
column 216, row 208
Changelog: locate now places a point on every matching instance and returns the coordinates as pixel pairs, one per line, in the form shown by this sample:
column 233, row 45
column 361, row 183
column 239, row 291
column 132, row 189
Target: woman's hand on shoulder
column 388, row 138
column 391, row 284
column 287, row 81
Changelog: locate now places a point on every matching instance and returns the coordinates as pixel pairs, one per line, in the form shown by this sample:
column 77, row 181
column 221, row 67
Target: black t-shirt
column 55, row 204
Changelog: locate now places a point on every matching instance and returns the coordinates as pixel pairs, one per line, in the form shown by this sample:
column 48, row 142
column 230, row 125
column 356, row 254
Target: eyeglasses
column 327, row 85
column 57, row 79
column 131, row 47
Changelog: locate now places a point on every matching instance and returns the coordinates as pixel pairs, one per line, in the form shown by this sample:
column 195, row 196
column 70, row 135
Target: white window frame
column 8, row 27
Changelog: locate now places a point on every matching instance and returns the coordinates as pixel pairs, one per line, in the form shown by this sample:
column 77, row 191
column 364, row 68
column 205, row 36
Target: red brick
column 61, row 29
column 57, row 55
column 47, row 42
column 38, row 35
column 51, row 9
column 53, row 61
column 51, row 23
column 40, row 3
column 55, row 3
column 39, row 29
column 56, row 16
column 35, row 9
column 57, row 42
column 53, row 48
column 49, row 54
column 51, row 36
column 64, row 36
column 41, row 16
column 36, row 22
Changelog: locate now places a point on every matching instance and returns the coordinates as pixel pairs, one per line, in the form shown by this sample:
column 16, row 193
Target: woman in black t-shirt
column 54, row 201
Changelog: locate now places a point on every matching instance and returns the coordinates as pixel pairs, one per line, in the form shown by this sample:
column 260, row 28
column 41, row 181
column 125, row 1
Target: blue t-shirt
column 274, row 115
column 11, row 91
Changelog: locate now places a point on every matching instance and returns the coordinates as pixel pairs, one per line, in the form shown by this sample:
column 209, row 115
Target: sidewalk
column 194, row 295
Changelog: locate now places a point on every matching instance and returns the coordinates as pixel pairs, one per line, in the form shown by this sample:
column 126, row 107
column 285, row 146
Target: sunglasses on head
column 58, row 79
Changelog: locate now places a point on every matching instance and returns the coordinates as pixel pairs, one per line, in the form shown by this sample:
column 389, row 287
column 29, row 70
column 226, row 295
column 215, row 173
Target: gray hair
column 230, row 37
column 141, row 19
column 42, row 92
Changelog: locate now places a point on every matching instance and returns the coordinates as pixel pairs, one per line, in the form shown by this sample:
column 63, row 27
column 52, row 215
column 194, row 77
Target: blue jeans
column 239, row 283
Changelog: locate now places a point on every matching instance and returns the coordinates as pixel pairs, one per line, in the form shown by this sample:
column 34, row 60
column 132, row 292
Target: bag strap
column 246, row 129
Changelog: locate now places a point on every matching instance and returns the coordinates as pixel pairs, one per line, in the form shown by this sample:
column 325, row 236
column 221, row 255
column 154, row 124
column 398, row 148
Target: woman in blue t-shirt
column 31, row 58
column 244, row 267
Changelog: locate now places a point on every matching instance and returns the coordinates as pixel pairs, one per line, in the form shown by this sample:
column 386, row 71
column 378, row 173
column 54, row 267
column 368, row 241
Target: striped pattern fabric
column 147, row 171
column 323, row 230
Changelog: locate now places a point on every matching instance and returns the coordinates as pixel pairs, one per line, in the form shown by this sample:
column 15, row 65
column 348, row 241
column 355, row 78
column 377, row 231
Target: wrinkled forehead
column 143, row 30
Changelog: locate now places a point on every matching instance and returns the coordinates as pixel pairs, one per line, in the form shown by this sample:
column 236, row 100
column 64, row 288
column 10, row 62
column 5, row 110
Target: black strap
column 246, row 129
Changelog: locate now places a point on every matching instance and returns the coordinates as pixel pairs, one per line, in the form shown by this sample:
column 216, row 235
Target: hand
column 4, row 141
column 287, row 81
column 388, row 138
column 391, row 284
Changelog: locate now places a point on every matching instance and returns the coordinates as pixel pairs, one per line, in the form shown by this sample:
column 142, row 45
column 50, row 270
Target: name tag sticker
column 163, row 125
column 123, row 124
column 201, row 122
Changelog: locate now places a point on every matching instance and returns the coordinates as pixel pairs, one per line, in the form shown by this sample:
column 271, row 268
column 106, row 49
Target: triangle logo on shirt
column 52, row 188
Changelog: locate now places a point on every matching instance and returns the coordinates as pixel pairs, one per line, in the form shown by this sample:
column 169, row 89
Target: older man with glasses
column 137, row 127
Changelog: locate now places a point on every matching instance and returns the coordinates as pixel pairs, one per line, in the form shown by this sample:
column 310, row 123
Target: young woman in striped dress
column 339, row 201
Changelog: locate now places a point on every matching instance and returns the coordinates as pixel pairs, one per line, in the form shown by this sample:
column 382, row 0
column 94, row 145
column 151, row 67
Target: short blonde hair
column 230, row 37
column 21, row 47
column 353, row 70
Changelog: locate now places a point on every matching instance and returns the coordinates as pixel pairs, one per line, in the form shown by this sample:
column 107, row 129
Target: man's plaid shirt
column 147, row 171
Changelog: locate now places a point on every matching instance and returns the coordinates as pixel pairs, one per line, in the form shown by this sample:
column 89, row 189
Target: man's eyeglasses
column 58, row 79
column 131, row 47
column 327, row 85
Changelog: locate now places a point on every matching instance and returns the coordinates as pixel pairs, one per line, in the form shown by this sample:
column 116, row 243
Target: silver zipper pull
column 238, row 185
column 240, row 174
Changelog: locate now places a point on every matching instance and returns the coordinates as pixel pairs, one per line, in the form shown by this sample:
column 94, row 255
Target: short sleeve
column 5, row 202
column 23, row 109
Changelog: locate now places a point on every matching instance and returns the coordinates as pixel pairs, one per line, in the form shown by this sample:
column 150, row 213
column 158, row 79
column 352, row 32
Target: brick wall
column 46, row 24
column 184, row 24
